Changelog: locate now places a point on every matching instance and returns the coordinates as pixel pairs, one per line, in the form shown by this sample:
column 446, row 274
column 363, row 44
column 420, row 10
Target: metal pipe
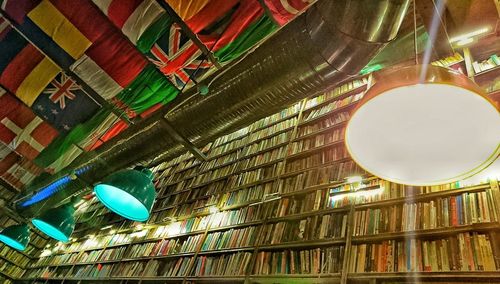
column 325, row 46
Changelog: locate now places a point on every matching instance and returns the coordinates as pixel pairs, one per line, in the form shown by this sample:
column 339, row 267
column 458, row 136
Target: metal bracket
column 183, row 140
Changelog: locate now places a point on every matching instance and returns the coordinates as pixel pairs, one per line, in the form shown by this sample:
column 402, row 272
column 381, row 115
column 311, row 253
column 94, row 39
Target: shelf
column 307, row 214
column 354, row 91
column 296, row 172
column 427, row 275
column 422, row 197
column 311, row 151
column 440, row 232
column 332, row 112
column 226, row 250
column 303, row 244
column 216, row 279
column 326, row 129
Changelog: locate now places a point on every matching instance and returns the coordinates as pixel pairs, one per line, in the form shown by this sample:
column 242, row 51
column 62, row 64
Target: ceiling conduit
column 331, row 42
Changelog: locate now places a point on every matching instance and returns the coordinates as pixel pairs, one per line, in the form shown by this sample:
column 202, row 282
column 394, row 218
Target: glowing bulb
column 354, row 179
column 469, row 35
column 465, row 41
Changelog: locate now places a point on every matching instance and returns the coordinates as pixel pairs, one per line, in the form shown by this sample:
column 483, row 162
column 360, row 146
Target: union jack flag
column 178, row 57
column 62, row 88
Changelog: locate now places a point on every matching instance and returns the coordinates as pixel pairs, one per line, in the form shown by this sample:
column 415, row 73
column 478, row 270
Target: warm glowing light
column 139, row 227
column 139, row 234
column 469, row 35
column 430, row 133
column 112, row 232
column 354, row 179
column 465, row 41
column 174, row 229
column 46, row 252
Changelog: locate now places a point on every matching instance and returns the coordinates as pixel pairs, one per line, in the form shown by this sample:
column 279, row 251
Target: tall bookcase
column 272, row 204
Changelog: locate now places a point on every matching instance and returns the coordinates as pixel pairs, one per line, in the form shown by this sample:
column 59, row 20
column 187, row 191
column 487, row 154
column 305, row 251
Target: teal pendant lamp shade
column 58, row 223
column 129, row 193
column 16, row 236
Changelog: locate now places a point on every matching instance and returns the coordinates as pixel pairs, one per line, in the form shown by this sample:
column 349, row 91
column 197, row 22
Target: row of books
column 252, row 176
column 327, row 122
column 304, row 203
column 448, row 61
column 314, row 113
column 321, row 175
column 336, row 92
column 252, row 193
column 228, row 147
column 294, row 109
column 265, row 144
column 14, row 256
column 490, row 63
column 272, row 130
column 164, row 247
column 234, row 264
column 392, row 190
column 231, row 136
column 464, row 209
column 232, row 238
column 463, row 252
column 309, row 261
column 316, row 141
column 167, row 268
column 111, row 254
column 310, row 228
column 329, row 155
column 13, row 271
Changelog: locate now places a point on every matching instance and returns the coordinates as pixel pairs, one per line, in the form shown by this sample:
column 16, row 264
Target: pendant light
column 16, row 236
column 129, row 193
column 428, row 129
column 58, row 223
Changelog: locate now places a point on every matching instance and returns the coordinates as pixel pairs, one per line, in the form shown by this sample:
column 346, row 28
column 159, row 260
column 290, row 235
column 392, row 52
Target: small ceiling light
column 129, row 193
column 424, row 130
column 469, row 35
column 58, row 223
column 16, row 236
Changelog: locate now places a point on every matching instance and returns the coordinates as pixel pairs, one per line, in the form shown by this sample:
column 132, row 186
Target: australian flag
column 64, row 104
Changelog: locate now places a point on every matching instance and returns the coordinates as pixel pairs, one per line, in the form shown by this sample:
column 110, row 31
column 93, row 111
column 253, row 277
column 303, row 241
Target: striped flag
column 284, row 11
column 24, row 70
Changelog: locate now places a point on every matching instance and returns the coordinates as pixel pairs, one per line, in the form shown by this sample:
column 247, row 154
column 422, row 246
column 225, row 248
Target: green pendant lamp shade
column 58, row 223
column 129, row 193
column 16, row 236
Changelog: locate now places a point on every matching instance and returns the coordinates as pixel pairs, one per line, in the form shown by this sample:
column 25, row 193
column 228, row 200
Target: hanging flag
column 142, row 21
column 187, row 9
column 51, row 21
column 215, row 12
column 21, row 129
column 64, row 104
column 4, row 28
column 24, row 70
column 16, row 170
column 284, row 11
column 176, row 56
column 148, row 89
column 110, row 51
column 17, row 9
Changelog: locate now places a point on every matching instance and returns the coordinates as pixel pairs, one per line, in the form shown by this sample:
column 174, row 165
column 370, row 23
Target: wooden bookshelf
column 235, row 220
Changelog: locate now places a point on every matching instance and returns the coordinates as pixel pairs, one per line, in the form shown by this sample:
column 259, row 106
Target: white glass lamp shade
column 424, row 132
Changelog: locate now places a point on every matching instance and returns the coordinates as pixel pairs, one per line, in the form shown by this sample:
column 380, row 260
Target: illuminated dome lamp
column 58, row 223
column 424, row 131
column 16, row 236
column 129, row 193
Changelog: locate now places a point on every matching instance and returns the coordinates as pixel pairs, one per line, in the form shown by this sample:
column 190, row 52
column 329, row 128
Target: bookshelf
column 272, row 205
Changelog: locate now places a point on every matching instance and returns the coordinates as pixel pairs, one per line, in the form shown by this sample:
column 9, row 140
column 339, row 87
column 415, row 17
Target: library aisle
column 249, row 141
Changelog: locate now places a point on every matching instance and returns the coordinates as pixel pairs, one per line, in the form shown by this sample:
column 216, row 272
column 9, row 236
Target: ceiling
column 117, row 67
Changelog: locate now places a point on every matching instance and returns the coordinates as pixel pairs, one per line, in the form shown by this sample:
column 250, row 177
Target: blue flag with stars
column 64, row 104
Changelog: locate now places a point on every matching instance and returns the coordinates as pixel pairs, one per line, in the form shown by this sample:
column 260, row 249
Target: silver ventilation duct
column 331, row 42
